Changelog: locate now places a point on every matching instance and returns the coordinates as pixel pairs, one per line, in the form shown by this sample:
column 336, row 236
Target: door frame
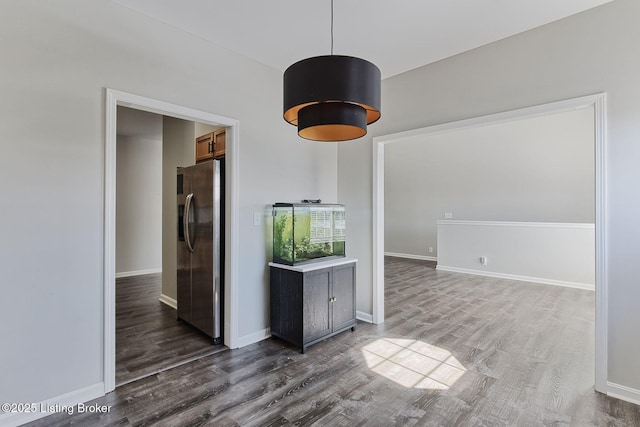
column 598, row 103
column 113, row 99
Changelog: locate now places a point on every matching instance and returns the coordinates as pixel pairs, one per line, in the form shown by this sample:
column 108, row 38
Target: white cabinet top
column 303, row 268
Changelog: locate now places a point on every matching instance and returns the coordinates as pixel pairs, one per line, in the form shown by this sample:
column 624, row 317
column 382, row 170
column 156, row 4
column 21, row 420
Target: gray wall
column 178, row 149
column 203, row 128
column 534, row 170
column 139, row 195
column 148, row 154
column 57, row 58
column 588, row 53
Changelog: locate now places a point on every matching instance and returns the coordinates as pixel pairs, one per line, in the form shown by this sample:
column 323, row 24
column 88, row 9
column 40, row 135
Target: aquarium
column 306, row 232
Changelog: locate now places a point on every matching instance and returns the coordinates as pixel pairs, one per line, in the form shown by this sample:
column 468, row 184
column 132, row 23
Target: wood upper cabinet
column 211, row 145
column 204, row 147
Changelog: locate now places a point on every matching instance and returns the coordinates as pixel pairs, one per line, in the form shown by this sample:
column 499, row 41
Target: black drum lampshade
column 332, row 97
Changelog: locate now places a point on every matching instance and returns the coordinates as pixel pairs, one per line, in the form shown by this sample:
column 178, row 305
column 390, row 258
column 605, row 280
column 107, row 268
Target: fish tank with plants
column 307, row 232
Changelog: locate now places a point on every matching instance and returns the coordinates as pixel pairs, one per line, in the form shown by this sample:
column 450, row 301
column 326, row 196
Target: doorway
column 113, row 100
column 597, row 102
column 149, row 339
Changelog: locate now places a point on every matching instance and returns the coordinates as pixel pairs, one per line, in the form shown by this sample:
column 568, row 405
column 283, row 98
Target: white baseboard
column 254, row 337
column 168, row 301
column 365, row 317
column 138, row 272
column 584, row 286
column 411, row 256
column 68, row 400
column 625, row 393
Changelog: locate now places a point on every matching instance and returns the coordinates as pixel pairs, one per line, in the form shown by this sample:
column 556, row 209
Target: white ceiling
column 395, row 35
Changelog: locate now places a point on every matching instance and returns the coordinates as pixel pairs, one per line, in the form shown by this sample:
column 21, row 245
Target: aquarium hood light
column 332, row 97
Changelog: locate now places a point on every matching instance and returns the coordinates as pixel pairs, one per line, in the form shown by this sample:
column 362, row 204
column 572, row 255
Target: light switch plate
column 257, row 218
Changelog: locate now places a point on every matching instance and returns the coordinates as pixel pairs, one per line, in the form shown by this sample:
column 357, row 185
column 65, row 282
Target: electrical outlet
column 484, row 260
column 430, row 250
column 257, row 218
column 448, row 215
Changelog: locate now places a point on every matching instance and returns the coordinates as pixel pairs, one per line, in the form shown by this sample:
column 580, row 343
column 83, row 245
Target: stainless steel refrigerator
column 201, row 246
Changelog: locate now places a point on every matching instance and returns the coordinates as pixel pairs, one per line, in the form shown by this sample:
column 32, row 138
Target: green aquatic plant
column 307, row 250
column 281, row 247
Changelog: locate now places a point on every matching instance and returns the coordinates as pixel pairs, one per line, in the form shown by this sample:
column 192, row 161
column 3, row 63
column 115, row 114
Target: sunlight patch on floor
column 413, row 363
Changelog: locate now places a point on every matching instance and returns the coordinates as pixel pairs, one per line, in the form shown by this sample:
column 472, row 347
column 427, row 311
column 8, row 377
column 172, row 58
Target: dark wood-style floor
column 149, row 339
column 455, row 350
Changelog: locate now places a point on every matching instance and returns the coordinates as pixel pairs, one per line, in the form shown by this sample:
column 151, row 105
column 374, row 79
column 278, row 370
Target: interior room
column 406, row 343
column 150, row 336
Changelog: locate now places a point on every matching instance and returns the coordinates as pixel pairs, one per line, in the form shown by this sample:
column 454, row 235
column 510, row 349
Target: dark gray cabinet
column 312, row 302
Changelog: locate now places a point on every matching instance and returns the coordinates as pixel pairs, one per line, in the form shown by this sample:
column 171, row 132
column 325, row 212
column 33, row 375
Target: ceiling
column 395, row 35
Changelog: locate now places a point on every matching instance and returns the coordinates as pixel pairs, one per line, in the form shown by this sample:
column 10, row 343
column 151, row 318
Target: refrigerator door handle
column 185, row 219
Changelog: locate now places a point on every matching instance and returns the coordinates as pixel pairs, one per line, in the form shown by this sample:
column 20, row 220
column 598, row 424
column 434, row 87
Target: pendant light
column 332, row 97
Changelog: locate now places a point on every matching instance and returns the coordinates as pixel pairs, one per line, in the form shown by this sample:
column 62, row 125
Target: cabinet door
column 204, row 147
column 219, row 143
column 344, row 295
column 317, row 319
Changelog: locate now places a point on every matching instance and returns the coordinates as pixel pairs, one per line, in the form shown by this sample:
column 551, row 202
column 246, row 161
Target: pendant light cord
column 331, row 27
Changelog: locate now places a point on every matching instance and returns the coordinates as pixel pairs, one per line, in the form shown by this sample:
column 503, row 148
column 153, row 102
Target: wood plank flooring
column 149, row 339
column 455, row 350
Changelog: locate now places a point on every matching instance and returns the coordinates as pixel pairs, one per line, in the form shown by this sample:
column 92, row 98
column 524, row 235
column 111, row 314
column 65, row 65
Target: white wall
column 584, row 54
column 139, row 198
column 57, row 59
column 178, row 149
column 203, row 129
column 535, row 169
column 553, row 253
